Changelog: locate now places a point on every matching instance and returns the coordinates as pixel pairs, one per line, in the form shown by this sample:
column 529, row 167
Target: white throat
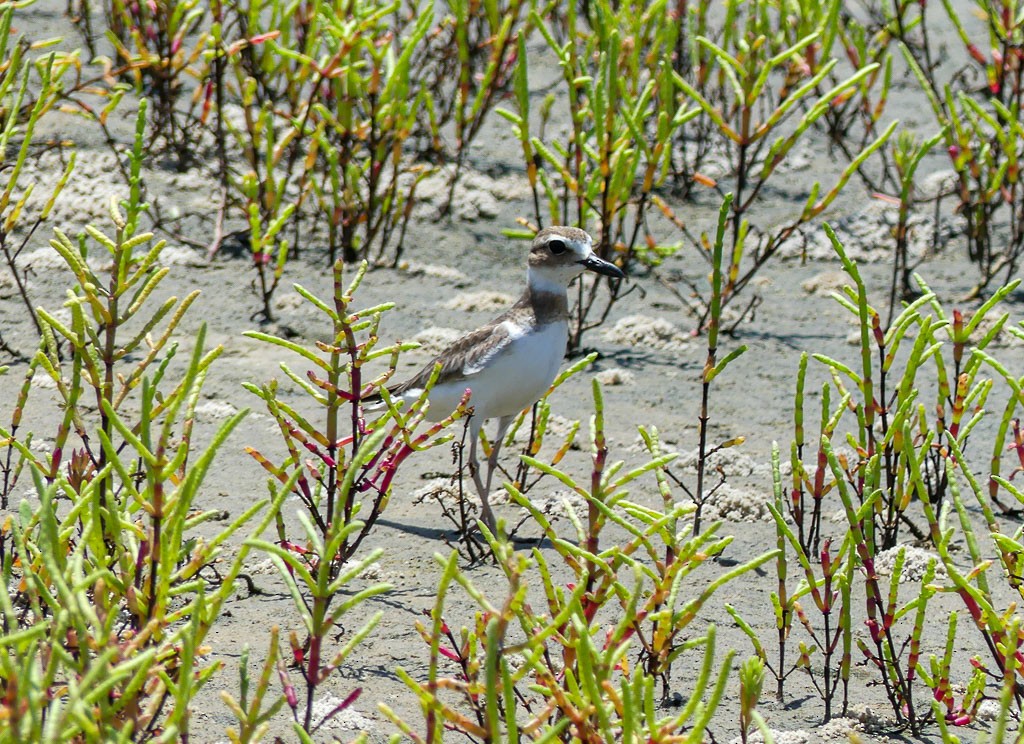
column 541, row 282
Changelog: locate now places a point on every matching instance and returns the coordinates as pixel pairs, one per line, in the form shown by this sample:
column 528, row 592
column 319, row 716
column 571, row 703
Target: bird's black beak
column 593, row 263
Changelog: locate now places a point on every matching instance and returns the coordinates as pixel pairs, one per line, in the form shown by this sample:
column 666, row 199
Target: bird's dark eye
column 557, row 247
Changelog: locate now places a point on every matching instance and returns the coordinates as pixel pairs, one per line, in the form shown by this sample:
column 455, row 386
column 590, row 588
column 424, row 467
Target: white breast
column 510, row 381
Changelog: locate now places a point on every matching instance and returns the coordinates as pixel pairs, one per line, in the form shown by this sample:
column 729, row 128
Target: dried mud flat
column 460, row 272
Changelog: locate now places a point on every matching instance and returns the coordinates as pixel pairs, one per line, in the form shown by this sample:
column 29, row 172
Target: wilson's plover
column 509, row 363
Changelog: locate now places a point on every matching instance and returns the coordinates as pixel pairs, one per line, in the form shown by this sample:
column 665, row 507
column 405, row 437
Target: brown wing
column 463, row 358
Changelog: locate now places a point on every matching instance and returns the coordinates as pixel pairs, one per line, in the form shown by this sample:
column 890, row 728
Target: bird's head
column 560, row 254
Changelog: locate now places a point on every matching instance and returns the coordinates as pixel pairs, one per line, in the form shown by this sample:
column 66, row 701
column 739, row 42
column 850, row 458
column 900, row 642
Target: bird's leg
column 492, row 462
column 474, row 464
column 474, row 470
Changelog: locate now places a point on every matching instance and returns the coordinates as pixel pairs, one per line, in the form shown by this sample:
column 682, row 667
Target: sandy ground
column 647, row 340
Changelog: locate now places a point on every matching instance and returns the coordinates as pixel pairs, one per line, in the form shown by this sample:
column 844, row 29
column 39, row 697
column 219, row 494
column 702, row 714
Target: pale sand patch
column 647, row 332
column 435, row 339
column 615, row 376
column 481, row 301
column 915, row 562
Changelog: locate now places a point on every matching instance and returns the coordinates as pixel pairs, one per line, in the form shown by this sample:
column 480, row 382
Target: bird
column 510, row 362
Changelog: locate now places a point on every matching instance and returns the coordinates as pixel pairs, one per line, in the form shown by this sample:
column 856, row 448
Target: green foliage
column 321, row 120
column 520, row 673
column 981, row 128
column 28, row 90
column 856, row 117
column 758, row 94
column 475, row 45
column 253, row 717
column 353, row 456
column 905, row 469
column 701, row 494
column 105, row 624
column 314, row 579
column 885, row 395
column 624, row 114
column 354, row 459
column 160, row 49
column 313, row 113
column 907, row 152
column 751, row 682
column 830, row 591
column 327, row 107
column 898, row 465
